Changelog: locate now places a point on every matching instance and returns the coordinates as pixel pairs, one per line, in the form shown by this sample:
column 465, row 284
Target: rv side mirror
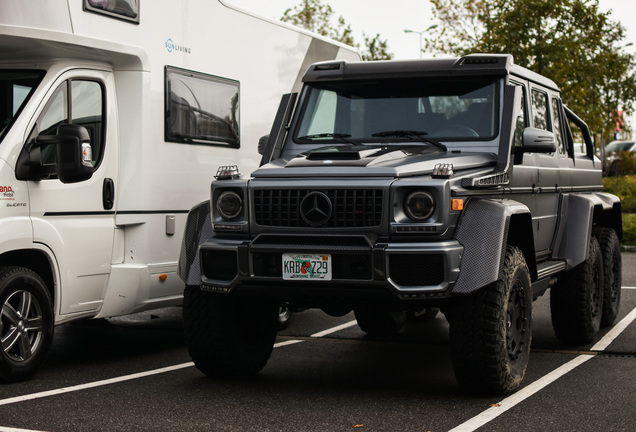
column 262, row 143
column 74, row 153
column 537, row 141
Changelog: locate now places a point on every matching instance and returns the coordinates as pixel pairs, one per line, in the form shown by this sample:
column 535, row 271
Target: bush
column 623, row 165
column 625, row 189
column 629, row 229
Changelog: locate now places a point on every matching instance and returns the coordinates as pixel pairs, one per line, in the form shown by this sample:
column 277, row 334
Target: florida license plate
column 306, row 266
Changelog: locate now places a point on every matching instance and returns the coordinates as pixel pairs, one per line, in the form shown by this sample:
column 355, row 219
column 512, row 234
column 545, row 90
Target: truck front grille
column 350, row 208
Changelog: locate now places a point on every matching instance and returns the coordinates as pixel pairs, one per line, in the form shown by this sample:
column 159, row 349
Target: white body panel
column 108, row 262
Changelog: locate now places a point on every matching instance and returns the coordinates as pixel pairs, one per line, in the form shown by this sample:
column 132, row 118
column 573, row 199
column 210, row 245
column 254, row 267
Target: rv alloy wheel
column 26, row 323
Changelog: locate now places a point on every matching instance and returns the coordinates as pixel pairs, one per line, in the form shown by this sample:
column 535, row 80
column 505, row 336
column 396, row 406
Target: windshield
column 439, row 109
column 16, row 87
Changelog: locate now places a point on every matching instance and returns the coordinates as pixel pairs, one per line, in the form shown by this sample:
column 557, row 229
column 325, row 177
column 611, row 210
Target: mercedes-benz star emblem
column 316, row 208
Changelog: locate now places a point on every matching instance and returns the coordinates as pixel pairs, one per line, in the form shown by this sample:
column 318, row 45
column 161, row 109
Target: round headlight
column 229, row 204
column 419, row 205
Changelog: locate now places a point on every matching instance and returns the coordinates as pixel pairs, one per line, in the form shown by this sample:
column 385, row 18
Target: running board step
column 549, row 268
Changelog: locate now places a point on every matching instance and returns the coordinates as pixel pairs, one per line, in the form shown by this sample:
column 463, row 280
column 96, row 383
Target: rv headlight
column 419, row 205
column 229, row 205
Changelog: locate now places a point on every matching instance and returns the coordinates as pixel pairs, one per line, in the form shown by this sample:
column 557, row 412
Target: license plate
column 304, row 266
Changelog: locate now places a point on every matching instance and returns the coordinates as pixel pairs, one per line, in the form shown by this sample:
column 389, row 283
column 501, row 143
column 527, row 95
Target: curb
column 628, row 248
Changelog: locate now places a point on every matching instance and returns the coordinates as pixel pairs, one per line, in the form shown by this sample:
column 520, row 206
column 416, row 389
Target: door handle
column 108, row 193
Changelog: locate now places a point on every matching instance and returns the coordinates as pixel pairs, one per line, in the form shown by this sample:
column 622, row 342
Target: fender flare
column 484, row 232
column 198, row 229
column 581, row 212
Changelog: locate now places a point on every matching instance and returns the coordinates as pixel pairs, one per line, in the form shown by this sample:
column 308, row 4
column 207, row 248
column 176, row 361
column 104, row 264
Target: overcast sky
column 390, row 19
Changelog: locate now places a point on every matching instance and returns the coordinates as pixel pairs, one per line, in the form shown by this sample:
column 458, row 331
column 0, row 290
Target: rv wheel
column 26, row 323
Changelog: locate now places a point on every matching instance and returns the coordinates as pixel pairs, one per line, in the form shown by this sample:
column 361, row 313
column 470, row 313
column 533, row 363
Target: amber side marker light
column 457, row 204
column 163, row 277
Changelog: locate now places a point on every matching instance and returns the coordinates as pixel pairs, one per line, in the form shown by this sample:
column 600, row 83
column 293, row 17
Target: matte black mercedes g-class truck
column 399, row 188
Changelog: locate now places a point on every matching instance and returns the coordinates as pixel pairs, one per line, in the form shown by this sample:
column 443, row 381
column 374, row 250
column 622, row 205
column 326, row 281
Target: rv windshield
column 439, row 109
column 16, row 87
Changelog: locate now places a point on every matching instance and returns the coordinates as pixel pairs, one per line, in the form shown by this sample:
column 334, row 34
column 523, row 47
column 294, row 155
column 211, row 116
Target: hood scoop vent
column 339, row 155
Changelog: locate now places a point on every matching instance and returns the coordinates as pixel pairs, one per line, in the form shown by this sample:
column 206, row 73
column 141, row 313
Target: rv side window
column 127, row 10
column 16, row 87
column 201, row 109
column 84, row 107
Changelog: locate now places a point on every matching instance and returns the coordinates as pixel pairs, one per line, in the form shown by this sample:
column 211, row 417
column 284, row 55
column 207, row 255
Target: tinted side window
column 540, row 110
column 558, row 130
column 201, row 109
column 521, row 120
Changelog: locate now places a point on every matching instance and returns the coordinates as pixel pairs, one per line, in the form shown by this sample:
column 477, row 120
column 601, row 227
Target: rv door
column 76, row 220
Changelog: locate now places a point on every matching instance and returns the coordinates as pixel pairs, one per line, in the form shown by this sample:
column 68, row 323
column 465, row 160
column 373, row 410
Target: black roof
column 470, row 65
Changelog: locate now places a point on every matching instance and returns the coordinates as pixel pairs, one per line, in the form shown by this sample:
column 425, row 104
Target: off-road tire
column 612, row 273
column 26, row 323
column 491, row 331
column 576, row 300
column 380, row 322
column 228, row 336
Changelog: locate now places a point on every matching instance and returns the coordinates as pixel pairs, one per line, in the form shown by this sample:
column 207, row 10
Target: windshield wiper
column 336, row 135
column 410, row 134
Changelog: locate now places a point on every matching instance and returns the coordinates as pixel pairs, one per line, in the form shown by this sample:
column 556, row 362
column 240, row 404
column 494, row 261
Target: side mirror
column 74, row 152
column 262, row 143
column 537, row 141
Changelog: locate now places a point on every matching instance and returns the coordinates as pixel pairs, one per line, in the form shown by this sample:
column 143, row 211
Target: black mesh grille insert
column 350, row 207
column 416, row 270
column 219, row 265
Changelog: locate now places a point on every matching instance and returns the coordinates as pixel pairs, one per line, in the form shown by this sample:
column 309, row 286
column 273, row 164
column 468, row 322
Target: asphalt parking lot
column 134, row 374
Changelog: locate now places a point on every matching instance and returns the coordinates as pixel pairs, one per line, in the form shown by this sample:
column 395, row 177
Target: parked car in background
column 615, row 152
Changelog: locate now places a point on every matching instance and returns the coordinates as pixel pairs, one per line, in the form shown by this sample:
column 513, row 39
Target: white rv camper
column 115, row 115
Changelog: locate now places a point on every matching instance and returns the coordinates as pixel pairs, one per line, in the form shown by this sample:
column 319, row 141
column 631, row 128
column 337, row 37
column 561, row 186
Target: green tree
column 315, row 16
column 570, row 41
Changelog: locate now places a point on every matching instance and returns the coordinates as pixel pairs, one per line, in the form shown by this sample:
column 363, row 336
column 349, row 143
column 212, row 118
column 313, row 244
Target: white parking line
column 334, row 329
column 142, row 374
column 468, row 426
column 6, row 429
column 93, row 384
column 499, row 408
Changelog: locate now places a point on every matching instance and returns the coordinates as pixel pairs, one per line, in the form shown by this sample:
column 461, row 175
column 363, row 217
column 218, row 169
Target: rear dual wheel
column 612, row 273
column 576, row 300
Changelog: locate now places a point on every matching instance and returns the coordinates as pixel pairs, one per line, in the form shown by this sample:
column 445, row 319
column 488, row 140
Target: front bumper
column 404, row 270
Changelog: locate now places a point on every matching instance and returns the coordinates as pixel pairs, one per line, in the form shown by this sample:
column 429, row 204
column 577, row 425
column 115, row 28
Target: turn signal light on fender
column 457, row 204
column 163, row 277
